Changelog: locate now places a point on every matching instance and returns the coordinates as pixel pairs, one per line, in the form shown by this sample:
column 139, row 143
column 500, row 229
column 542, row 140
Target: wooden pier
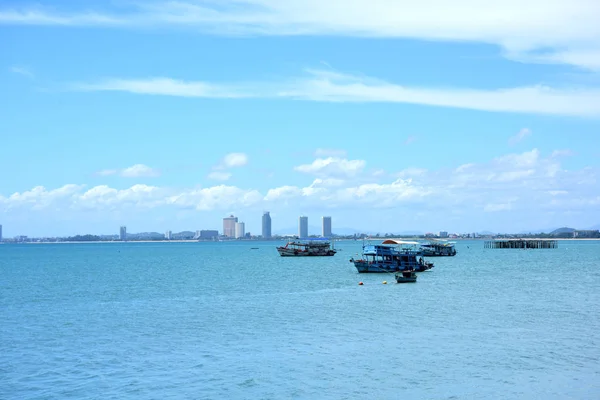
column 521, row 244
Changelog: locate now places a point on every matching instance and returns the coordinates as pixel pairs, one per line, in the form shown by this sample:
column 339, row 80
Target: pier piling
column 521, row 244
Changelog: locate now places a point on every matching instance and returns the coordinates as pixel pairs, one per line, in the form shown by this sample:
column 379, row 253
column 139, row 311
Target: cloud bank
column 327, row 86
column 559, row 31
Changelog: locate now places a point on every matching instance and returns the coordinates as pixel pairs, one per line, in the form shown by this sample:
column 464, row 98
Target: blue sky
column 387, row 115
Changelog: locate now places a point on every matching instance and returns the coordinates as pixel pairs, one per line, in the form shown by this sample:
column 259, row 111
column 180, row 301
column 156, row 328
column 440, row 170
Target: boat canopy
column 394, row 241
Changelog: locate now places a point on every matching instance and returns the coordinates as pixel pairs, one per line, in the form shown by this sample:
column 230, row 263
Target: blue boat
column 391, row 256
column 438, row 248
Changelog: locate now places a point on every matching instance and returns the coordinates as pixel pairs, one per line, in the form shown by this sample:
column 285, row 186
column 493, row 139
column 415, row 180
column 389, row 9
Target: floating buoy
column 385, row 282
column 360, row 283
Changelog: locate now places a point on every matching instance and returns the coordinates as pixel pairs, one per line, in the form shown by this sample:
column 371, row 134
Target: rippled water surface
column 221, row 320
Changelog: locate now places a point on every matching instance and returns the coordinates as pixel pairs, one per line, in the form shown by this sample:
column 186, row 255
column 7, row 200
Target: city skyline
column 175, row 115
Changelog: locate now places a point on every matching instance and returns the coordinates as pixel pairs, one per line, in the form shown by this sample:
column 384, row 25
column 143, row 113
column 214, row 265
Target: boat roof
column 395, row 241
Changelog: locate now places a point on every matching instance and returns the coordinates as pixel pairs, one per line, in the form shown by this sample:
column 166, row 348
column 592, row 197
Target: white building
column 168, row 235
column 123, row 233
column 326, row 232
column 303, row 227
column 240, row 230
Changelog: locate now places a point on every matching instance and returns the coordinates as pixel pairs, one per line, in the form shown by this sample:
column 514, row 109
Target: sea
column 234, row 320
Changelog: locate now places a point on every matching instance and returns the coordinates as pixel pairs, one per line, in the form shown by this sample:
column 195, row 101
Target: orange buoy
column 385, row 282
column 360, row 283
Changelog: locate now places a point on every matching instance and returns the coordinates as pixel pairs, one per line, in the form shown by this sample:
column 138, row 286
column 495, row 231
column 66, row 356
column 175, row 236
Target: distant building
column 197, row 235
column 576, row 234
column 208, row 235
column 303, row 227
column 123, row 233
column 326, row 227
column 443, row 234
column 0, row 233
column 168, row 235
column 266, row 225
column 240, row 229
column 229, row 226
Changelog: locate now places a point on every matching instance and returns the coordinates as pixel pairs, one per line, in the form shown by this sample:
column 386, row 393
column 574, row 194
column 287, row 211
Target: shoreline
column 277, row 240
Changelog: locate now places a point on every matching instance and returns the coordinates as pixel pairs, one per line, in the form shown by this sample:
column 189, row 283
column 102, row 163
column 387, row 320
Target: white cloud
column 563, row 153
column 235, row 160
column 560, row 31
column 327, row 86
column 219, row 175
column 139, row 170
column 39, row 197
column 411, row 172
column 135, row 171
column 231, row 160
column 107, row 172
column 528, row 184
column 523, row 133
column 22, row 71
column 220, row 197
column 332, row 167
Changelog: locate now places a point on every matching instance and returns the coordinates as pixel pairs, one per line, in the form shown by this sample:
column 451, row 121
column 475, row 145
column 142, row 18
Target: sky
column 389, row 116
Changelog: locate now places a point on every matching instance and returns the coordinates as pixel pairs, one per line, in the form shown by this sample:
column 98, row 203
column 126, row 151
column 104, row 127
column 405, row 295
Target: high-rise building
column 123, row 233
column 266, row 225
column 443, row 234
column 0, row 233
column 326, row 227
column 240, row 230
column 229, row 226
column 303, row 227
column 168, row 235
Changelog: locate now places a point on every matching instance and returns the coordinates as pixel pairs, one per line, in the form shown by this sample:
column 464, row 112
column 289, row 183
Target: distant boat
column 307, row 247
column 253, row 248
column 438, row 248
column 391, row 256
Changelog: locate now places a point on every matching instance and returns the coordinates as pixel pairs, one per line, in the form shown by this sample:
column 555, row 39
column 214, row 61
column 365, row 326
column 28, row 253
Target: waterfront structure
column 443, row 234
column 0, row 233
column 229, row 226
column 303, row 227
column 521, row 244
column 326, row 231
column 168, row 235
column 240, row 229
column 123, row 233
column 266, row 225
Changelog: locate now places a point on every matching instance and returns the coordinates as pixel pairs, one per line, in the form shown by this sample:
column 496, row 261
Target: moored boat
column 391, row 256
column 307, row 247
column 408, row 276
column 438, row 248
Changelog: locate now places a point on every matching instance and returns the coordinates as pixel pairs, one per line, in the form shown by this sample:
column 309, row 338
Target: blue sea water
column 221, row 320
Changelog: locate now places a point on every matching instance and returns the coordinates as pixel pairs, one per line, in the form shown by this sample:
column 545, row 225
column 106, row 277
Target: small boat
column 391, row 256
column 407, row 276
column 307, row 247
column 438, row 248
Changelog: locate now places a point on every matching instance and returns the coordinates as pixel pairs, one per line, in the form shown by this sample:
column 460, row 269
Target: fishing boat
column 408, row 276
column 438, row 248
column 391, row 256
column 307, row 247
